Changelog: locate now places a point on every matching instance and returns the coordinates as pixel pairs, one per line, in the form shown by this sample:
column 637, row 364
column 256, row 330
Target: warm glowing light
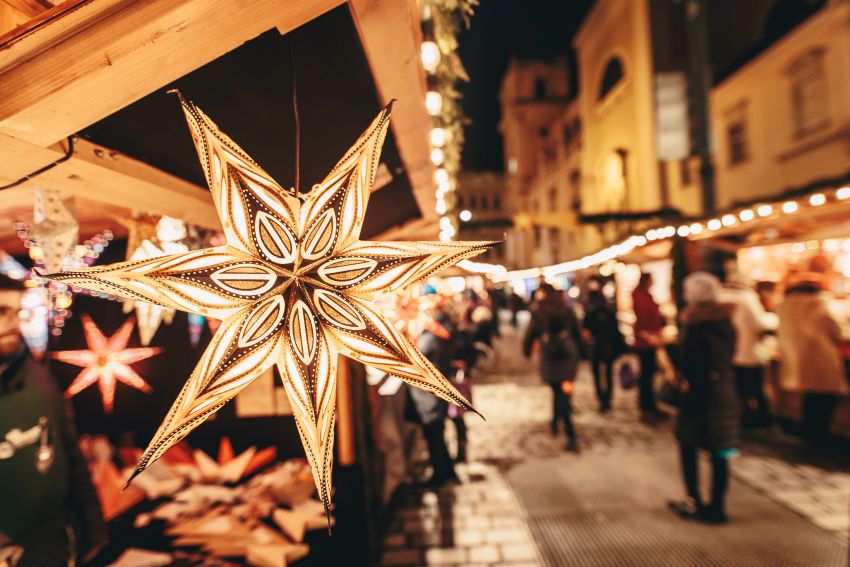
column 764, row 210
column 696, row 228
column 433, row 102
column 80, row 251
column 437, row 156
column 714, row 224
column 746, row 215
column 64, row 300
column 640, row 241
column 574, row 292
column 652, row 234
column 843, row 193
column 798, row 248
column 438, row 137
column 445, row 223
column 831, row 245
column 440, row 207
column 106, row 361
column 817, row 200
column 465, row 215
column 727, row 220
column 430, row 53
column 293, row 286
column 683, row 231
column 789, row 207
column 441, row 176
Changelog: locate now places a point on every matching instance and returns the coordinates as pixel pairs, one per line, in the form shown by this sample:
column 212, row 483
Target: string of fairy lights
column 735, row 218
column 441, row 21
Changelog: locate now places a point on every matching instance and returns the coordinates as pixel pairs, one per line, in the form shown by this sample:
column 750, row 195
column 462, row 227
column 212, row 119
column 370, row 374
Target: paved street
column 525, row 501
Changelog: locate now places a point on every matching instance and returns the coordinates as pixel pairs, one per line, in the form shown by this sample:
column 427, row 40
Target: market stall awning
column 134, row 152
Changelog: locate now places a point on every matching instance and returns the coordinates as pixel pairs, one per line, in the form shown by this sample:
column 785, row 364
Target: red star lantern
column 106, row 361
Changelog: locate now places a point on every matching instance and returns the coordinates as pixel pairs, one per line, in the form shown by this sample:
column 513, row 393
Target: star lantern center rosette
column 292, row 287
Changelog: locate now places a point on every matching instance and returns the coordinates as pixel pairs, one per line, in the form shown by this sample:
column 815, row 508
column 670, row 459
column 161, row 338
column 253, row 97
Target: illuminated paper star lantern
column 412, row 313
column 55, row 229
column 106, row 361
column 292, row 287
column 151, row 237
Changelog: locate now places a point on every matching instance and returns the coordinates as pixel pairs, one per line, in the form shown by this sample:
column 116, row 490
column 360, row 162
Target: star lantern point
column 293, row 287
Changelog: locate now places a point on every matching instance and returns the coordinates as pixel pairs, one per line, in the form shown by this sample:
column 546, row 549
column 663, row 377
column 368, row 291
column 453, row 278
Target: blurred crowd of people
column 729, row 333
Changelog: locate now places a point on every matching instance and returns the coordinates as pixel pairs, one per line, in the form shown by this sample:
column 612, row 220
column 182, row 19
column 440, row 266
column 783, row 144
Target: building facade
column 484, row 216
column 779, row 122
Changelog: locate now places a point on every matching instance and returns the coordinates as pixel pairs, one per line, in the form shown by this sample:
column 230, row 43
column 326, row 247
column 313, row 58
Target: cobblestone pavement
column 482, row 522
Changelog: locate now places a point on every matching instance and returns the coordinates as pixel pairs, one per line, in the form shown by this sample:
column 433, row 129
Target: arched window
column 540, row 88
column 613, row 74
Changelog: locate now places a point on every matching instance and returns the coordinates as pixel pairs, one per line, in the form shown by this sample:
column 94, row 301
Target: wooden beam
column 111, row 177
column 390, row 34
column 30, row 8
column 107, row 54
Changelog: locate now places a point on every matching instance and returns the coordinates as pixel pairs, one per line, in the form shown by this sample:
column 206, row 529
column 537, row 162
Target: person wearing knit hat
column 708, row 413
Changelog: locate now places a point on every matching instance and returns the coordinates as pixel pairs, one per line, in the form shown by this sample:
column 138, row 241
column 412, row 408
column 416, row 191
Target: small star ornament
column 106, row 362
column 55, row 230
column 292, row 287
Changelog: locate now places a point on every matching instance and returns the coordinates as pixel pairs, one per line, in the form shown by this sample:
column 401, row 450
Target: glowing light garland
column 292, row 287
column 693, row 230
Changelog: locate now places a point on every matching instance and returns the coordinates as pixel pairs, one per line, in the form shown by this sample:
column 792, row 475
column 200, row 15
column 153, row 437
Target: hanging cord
column 297, row 115
column 47, row 167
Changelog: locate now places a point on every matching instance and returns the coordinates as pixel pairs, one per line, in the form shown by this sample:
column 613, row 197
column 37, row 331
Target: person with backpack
column 606, row 343
column 555, row 326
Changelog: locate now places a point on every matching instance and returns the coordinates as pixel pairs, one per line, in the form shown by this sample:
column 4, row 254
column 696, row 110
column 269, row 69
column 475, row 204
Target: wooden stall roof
column 100, row 70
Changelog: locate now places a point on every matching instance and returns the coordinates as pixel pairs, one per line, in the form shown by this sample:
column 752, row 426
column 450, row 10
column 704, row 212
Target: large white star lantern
column 292, row 287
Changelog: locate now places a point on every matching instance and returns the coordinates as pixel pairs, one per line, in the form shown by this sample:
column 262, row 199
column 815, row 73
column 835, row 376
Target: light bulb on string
column 437, row 156
column 433, row 102
column 441, row 176
column 430, row 54
column 438, row 137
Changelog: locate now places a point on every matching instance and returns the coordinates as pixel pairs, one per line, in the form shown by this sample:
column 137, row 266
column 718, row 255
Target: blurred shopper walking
column 751, row 322
column 606, row 343
column 708, row 412
column 556, row 328
column 429, row 410
column 810, row 346
column 647, row 331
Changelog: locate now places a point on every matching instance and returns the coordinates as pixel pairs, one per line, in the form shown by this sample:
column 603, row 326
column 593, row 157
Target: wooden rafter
column 30, row 8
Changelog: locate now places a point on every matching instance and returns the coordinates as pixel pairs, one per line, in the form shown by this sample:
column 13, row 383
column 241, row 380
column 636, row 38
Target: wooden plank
column 112, row 178
column 30, row 8
column 111, row 54
column 390, row 34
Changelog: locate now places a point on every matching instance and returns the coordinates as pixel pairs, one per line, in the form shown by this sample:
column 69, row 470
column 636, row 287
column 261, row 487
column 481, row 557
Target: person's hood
column 706, row 313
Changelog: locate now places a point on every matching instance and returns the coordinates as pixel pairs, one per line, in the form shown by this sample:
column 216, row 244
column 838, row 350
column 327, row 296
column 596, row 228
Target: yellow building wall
column 778, row 158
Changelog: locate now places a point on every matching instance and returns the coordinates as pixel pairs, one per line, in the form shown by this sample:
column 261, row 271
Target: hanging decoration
column 411, row 310
column 151, row 237
column 57, row 298
column 292, row 287
column 441, row 23
column 106, row 361
column 55, row 230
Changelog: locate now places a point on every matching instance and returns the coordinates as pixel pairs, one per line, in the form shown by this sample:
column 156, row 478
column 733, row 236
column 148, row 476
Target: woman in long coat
column 554, row 324
column 709, row 412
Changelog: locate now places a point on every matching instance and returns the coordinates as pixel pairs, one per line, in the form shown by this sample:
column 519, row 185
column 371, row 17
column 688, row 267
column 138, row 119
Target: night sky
column 544, row 28
column 530, row 28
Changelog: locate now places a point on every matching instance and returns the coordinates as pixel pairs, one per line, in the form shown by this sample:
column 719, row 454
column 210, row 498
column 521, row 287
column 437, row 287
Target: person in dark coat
column 647, row 332
column 49, row 511
column 554, row 324
column 431, row 411
column 606, row 344
column 709, row 416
